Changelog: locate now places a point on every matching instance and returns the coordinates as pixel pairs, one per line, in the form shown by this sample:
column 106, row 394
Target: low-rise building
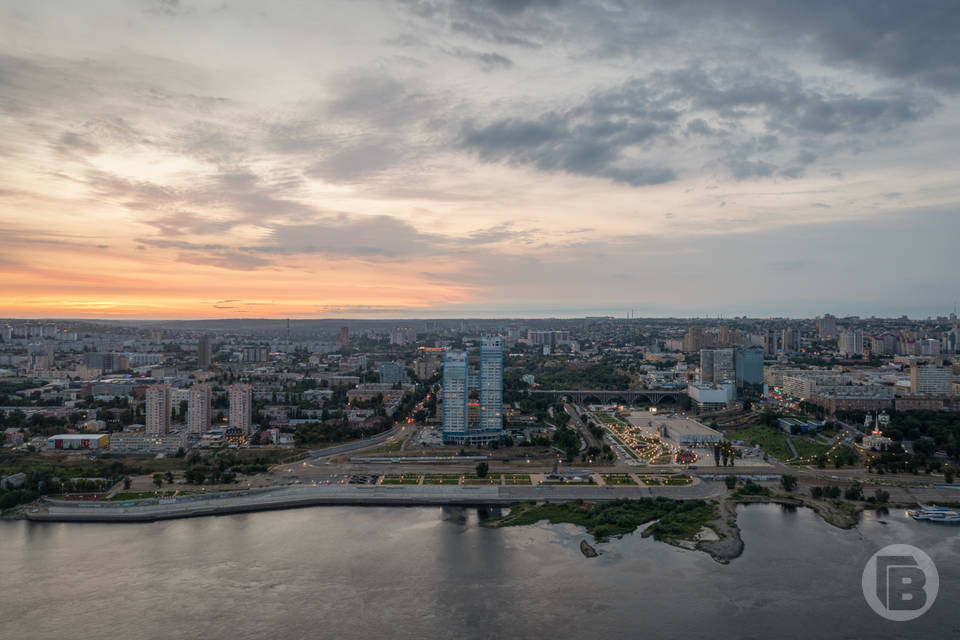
column 77, row 441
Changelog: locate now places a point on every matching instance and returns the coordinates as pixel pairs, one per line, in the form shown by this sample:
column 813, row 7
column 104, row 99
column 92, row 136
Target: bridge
column 654, row 396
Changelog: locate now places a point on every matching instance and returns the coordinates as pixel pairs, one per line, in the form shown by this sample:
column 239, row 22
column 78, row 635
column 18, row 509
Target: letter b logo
column 900, row 582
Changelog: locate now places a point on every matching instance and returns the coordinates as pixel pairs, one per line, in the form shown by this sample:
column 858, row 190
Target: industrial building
column 77, row 441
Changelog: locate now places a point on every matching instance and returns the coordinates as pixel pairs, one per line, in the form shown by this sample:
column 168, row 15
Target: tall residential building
column 463, row 421
column 344, row 337
column 491, row 388
column 717, row 366
column 158, row 409
column 850, row 342
column 749, row 366
column 790, row 340
column 203, row 352
column 106, row 362
column 929, row 380
column 827, row 326
column 770, row 343
column 455, row 395
column 393, row 373
column 198, row 409
column 241, row 408
column 696, row 339
column 402, row 336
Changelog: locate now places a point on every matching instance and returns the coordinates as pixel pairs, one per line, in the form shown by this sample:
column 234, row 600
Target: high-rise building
column 477, row 423
column 696, row 339
column 929, row 380
column 106, row 362
column 770, row 343
column 344, row 337
column 254, row 354
column 790, row 340
column 203, row 352
column 393, row 373
column 850, row 342
column 749, row 366
column 198, row 409
column 158, row 409
column 491, row 388
column 455, row 394
column 402, row 336
column 827, row 326
column 241, row 408
column 717, row 366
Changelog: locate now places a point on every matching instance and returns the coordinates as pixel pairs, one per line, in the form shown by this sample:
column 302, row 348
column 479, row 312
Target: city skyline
column 450, row 159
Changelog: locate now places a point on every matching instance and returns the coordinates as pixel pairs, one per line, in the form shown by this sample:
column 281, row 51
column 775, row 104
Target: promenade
column 359, row 495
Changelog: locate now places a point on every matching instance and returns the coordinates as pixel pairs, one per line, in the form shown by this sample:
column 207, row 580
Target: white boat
column 935, row 514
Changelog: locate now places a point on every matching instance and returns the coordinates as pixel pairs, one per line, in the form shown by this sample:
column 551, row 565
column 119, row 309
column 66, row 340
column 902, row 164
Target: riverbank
column 701, row 525
column 711, row 528
column 359, row 495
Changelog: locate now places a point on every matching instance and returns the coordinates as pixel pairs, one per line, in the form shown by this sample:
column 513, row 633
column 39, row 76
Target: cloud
column 569, row 143
column 488, row 61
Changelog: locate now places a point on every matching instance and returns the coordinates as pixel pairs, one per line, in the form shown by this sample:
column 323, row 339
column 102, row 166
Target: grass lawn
column 675, row 520
column 407, row 478
column 606, row 419
column 618, row 479
column 678, row 480
column 570, row 483
column 517, row 478
column 441, row 479
column 772, row 440
column 808, row 448
column 141, row 495
column 491, row 478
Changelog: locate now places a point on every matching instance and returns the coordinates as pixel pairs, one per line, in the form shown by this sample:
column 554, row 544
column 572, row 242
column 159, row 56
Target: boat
column 935, row 514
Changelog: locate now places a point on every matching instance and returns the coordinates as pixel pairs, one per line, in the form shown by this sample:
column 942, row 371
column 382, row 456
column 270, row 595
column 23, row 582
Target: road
column 581, row 426
column 380, row 438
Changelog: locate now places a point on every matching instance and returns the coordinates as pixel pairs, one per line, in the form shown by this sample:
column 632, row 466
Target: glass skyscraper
column 455, row 394
column 479, row 422
column 491, row 387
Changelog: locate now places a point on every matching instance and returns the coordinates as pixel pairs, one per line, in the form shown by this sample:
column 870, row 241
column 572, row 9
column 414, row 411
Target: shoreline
column 719, row 537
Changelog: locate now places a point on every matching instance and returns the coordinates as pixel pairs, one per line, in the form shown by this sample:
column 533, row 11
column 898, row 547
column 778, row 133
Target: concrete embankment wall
column 402, row 496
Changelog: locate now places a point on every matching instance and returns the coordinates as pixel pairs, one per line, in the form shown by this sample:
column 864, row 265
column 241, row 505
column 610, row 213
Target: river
column 384, row 572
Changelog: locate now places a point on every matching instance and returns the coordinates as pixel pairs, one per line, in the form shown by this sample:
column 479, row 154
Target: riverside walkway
column 360, row 495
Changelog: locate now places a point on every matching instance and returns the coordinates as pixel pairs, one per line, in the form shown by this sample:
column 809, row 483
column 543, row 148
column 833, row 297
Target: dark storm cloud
column 788, row 103
column 565, row 142
column 890, row 38
column 597, row 136
column 916, row 40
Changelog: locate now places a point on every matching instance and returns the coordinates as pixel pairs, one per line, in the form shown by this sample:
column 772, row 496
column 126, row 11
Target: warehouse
column 77, row 441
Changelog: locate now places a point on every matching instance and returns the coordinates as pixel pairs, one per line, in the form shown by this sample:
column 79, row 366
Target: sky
column 435, row 158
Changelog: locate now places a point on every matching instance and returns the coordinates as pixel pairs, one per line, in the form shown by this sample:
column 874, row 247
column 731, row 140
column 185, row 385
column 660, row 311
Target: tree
column 126, row 482
column 482, row 469
column 882, row 496
column 854, row 492
column 731, row 481
column 948, row 475
column 158, row 480
column 169, row 477
column 816, row 492
column 788, row 482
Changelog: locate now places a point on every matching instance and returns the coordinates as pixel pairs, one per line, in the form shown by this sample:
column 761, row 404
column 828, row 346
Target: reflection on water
column 435, row 573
